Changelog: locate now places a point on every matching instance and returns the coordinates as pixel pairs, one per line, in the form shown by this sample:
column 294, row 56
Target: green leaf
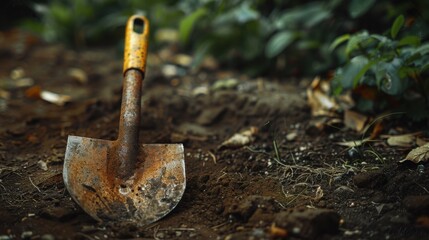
column 347, row 76
column 338, row 41
column 362, row 72
column 240, row 14
column 392, row 84
column 187, row 24
column 359, row 7
column 410, row 41
column 397, row 25
column 423, row 49
column 317, row 17
column 308, row 15
column 355, row 41
column 200, row 52
column 278, row 43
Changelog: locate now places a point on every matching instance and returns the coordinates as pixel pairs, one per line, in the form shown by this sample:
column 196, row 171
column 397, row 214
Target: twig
column 219, row 225
column 155, row 232
column 213, row 156
column 38, row 189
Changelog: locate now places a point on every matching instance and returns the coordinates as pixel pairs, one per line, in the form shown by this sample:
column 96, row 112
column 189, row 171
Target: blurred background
column 290, row 38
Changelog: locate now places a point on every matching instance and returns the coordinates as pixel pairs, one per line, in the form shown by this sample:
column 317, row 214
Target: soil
column 291, row 182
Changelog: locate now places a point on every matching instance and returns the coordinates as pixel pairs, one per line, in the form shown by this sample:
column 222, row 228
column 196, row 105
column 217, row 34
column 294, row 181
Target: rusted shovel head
column 154, row 189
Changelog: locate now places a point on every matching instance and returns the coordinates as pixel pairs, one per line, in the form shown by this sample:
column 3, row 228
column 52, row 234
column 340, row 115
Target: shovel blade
column 155, row 188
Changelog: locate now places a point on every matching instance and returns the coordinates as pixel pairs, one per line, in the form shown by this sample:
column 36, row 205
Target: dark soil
column 316, row 190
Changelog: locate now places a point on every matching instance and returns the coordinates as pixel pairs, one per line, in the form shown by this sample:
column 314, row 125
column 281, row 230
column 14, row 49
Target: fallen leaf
column 354, row 120
column 420, row 141
column 354, row 143
column 4, row 94
column 229, row 83
column 55, row 98
column 36, row 92
column 33, row 92
column 405, row 140
column 378, row 128
column 319, row 100
column 319, row 194
column 417, row 155
column 78, row 75
column 241, row 139
column 278, row 232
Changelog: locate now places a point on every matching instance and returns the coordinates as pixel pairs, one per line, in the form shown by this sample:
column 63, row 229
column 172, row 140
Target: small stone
column 353, row 153
column 42, row 165
column 291, row 136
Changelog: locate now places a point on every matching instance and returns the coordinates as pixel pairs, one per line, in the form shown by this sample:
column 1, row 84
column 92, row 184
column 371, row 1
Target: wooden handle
column 136, row 42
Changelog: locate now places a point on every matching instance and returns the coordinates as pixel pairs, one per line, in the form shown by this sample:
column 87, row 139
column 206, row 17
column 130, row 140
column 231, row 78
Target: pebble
column 353, row 153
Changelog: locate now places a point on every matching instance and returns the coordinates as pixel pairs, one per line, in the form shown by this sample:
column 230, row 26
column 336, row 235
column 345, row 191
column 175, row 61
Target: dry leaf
column 241, row 139
column 354, row 143
column 378, row 128
column 319, row 194
column 78, row 75
column 4, row 94
column 55, row 98
column 417, row 155
column 277, row 231
column 420, row 141
column 406, row 140
column 354, row 120
column 320, row 102
column 36, row 92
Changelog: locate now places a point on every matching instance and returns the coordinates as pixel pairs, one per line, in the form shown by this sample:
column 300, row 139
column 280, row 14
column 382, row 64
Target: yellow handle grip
column 136, row 42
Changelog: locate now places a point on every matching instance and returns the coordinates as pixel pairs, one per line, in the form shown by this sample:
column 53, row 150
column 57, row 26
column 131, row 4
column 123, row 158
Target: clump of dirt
column 292, row 182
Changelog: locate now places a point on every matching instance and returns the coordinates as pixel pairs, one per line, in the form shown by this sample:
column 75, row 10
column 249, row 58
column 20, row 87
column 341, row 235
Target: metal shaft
column 128, row 137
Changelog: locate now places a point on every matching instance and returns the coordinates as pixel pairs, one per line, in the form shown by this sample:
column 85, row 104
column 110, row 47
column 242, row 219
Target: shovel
column 122, row 180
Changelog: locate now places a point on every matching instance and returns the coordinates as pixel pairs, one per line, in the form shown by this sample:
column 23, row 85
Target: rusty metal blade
column 154, row 189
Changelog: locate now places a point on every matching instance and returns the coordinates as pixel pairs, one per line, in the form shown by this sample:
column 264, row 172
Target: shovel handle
column 136, row 42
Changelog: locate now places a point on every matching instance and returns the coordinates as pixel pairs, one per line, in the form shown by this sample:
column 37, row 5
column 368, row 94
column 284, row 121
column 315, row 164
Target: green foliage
column 396, row 67
column 254, row 34
column 187, row 23
column 359, row 7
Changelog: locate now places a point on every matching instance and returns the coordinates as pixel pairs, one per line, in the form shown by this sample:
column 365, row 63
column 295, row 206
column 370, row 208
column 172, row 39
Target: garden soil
column 290, row 181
